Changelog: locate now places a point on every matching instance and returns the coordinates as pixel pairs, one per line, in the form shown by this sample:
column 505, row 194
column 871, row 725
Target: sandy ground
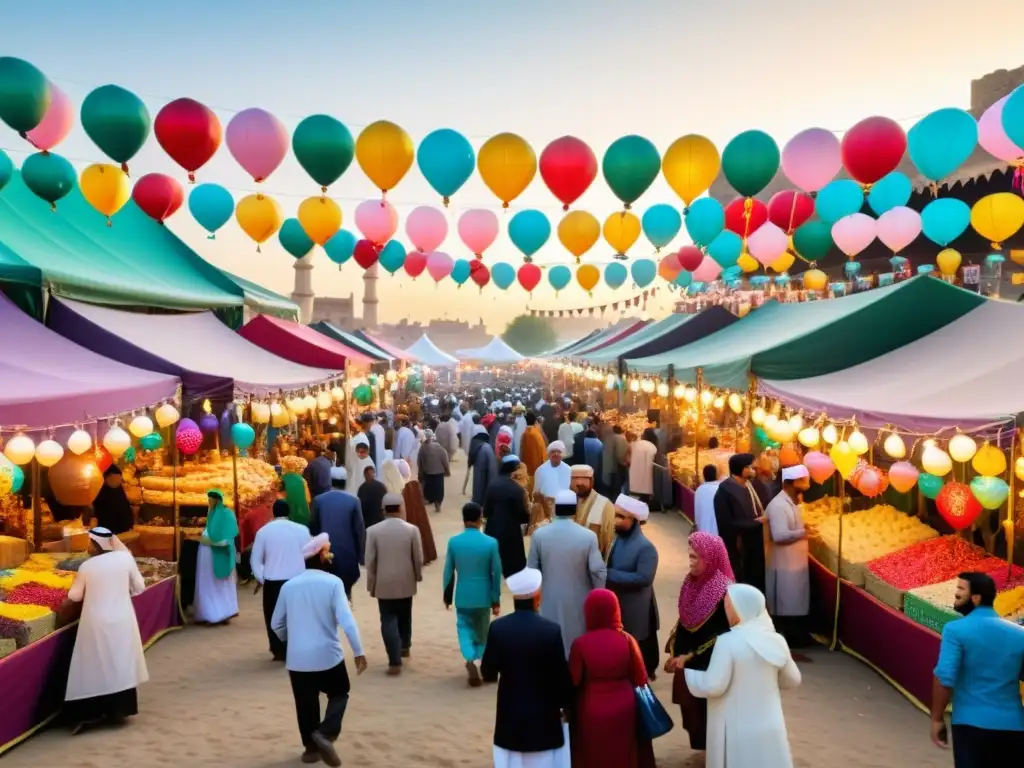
column 216, row 699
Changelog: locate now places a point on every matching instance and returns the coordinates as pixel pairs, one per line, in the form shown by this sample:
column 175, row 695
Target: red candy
column 36, row 594
column 930, row 562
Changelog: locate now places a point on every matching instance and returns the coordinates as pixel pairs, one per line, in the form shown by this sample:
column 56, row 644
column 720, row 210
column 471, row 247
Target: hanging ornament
column 903, row 476
column 819, row 466
column 48, row 453
column 894, row 446
column 844, row 458
column 141, row 426
column 830, row 434
column 20, row 449
column 991, row 492
column 989, row 461
column 188, row 438
column 735, row 403
column 962, row 447
column 809, row 437
column 117, row 441
column 166, row 415
column 957, row 506
column 858, row 443
column 935, row 460
column 757, row 416
column 79, row 442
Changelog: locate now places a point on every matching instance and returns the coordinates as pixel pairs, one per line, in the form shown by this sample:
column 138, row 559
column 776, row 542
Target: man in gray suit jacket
column 570, row 560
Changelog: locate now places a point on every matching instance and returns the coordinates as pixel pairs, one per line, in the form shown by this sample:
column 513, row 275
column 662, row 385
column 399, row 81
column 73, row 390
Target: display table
column 33, row 678
column 684, row 499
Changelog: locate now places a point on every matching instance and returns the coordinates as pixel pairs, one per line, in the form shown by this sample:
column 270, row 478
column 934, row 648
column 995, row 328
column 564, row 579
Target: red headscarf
column 487, row 420
column 700, row 595
column 601, row 609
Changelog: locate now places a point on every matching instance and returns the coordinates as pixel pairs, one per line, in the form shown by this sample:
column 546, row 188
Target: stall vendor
column 111, row 508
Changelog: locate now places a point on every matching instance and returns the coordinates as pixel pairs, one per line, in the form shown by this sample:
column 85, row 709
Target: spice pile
column 931, row 562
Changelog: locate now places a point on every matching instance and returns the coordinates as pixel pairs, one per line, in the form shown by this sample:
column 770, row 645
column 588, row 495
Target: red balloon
column 529, row 276
column 788, row 209
column 366, row 253
column 416, row 262
column 479, row 273
column 568, row 166
column 189, row 132
column 103, row 458
column 873, row 148
column 158, row 196
column 736, row 220
column 958, row 506
column 690, row 257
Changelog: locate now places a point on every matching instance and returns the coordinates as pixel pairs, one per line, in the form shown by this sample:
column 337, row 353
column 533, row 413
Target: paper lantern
column 1018, row 468
column 988, row 461
column 48, row 453
column 279, row 416
column 75, row 480
column 141, row 426
column 962, row 447
column 796, row 423
column 735, row 403
column 991, row 492
column 260, row 413
column 338, row 394
column 662, row 389
column 781, row 431
column 815, row 280
column 858, row 443
column 719, row 402
column 957, row 506
column 166, row 415
column 242, row 435
column 117, row 441
column 188, row 438
column 770, row 420
column 309, row 402
column 79, row 442
column 844, row 458
column 820, row 466
column 757, row 416
column 930, row 485
column 151, row 442
column 830, row 434
column 20, row 449
column 789, row 456
column 809, row 437
column 935, row 460
column 324, row 400
column 903, row 476
column 679, row 392
column 208, row 424
column 894, row 446
column 634, row 385
column 869, row 480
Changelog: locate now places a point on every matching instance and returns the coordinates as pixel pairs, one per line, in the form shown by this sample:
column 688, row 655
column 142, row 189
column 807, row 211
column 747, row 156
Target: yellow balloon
column 385, row 153
column 989, row 461
column 320, row 217
column 747, row 263
column 948, row 261
column 578, row 231
column 621, row 230
column 588, row 276
column 106, row 188
column 259, row 217
column 507, row 164
column 997, row 217
column 815, row 280
column 844, row 458
column 784, row 262
column 690, row 166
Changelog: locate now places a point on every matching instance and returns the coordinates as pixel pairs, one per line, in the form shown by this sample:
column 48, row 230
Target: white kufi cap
column 635, row 507
column 526, row 583
column 795, row 472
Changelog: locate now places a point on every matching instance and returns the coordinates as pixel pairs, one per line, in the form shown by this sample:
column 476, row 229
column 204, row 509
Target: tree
column 529, row 335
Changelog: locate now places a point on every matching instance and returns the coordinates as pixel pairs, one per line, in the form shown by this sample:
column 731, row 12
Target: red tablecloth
column 684, row 499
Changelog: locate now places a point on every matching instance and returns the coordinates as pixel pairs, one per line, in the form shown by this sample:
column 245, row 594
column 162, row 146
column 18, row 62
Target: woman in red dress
column 606, row 667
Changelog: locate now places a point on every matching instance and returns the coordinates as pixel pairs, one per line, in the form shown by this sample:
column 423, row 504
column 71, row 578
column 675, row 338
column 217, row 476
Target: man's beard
column 584, row 493
column 964, row 608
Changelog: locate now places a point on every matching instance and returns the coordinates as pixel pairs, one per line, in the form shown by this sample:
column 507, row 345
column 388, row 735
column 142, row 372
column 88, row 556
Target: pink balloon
column 439, row 265
column 377, row 220
column 258, row 141
column 819, row 465
column 993, row 138
column 708, row 270
column 56, row 123
column 812, row 158
column 853, row 233
column 767, row 243
column 478, row 229
column 903, row 476
column 427, row 228
column 899, row 227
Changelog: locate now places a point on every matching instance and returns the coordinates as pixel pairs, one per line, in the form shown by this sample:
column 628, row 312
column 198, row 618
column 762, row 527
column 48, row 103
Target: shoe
column 475, row 681
column 311, row 755
column 406, row 653
column 326, row 749
column 394, row 671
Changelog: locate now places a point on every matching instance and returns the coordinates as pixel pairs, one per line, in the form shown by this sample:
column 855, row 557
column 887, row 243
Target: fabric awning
column 613, row 335
column 22, row 282
column 391, row 349
column 563, row 348
column 263, row 300
column 673, row 332
column 593, row 338
column 300, row 343
column 426, row 352
column 494, row 352
column 351, row 340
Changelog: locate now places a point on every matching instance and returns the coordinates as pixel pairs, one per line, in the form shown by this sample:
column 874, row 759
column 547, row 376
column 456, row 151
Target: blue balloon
column 683, row 279
column 643, row 271
column 940, row 142
column 837, row 199
column 851, row 269
column 1013, row 116
column 446, row 160
column 529, row 231
column 392, row 256
column 925, row 269
column 697, row 288
column 503, row 275
column 782, row 279
column 889, row 192
column 461, row 271
column 760, row 281
column 340, row 247
column 726, row 249
column 212, row 206
column 661, row 223
column 17, row 479
column 559, row 276
column 897, row 261
column 704, row 220
column 732, row 273
column 242, row 435
column 944, row 220
column 615, row 275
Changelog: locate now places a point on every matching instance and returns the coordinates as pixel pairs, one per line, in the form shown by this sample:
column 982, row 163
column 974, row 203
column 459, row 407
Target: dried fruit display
column 872, row 533
column 931, row 562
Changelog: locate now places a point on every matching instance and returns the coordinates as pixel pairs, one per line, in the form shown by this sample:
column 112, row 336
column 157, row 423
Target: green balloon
column 363, row 394
column 117, row 122
column 6, row 169
column 630, row 166
column 151, row 442
column 990, row 492
column 24, row 94
column 324, row 148
column 294, row 238
column 750, row 161
column 930, row 485
column 49, row 176
column 129, row 455
column 813, row 240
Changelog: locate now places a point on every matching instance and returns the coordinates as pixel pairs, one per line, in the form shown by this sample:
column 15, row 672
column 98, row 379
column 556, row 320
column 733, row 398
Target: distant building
column 338, row 311
column 449, row 335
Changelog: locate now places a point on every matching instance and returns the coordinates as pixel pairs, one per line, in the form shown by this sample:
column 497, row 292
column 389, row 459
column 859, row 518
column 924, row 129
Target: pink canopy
column 300, row 343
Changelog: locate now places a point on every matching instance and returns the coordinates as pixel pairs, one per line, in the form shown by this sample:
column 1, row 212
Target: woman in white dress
column 749, row 666
column 216, row 598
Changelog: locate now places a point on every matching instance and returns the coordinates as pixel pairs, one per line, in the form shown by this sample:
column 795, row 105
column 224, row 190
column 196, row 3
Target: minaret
column 303, row 293
column 370, row 278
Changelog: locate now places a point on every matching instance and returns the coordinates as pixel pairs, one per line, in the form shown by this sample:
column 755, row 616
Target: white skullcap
column 316, row 545
column 557, row 445
column 338, row 473
column 526, row 583
column 582, row 470
column 795, row 472
column 361, row 439
column 392, row 500
column 565, row 498
column 635, row 507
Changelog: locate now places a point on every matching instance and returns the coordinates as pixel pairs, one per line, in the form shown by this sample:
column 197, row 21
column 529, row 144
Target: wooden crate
column 13, row 552
column 883, row 591
column 7, row 647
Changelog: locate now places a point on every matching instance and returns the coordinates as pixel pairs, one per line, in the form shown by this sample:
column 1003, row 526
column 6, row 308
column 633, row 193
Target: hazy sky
column 595, row 69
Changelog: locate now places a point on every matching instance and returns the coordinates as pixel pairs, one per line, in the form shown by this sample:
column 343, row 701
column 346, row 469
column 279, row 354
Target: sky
column 595, row 69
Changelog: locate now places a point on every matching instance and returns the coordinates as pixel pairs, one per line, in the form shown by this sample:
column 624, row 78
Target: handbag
column 652, row 719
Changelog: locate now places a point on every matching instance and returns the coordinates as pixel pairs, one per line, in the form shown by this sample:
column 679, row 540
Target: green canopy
column 613, row 352
column 797, row 341
column 264, row 301
column 21, row 282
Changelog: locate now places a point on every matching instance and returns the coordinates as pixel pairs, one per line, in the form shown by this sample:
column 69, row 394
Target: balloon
column 690, row 257
column 944, row 220
column 439, row 265
column 117, row 121
column 158, row 196
column 989, row 460
column 479, row 273
column 76, row 480
column 853, row 233
column 898, row 227
column 768, row 244
column 893, row 190
column 643, row 272
column 615, row 275
column 820, row 466
column 529, row 276
column 189, row 132
column 621, row 230
column 993, row 138
column 559, row 276
column 661, row 223
column 957, row 506
column 242, row 435
column 1013, row 116
column 838, row 199
column 873, row 148
column 529, row 231
column 930, row 485
column 6, row 169
column 56, row 123
column 578, row 231
column 568, row 167
column 668, row 268
column 260, row 217
column 941, row 142
column 991, row 492
column 948, row 261
column 25, row 94
column 340, row 247
column 844, row 458
column 750, row 161
column 708, row 270
column 415, row 263
column 588, row 277
column 503, row 275
column 211, row 205
column 427, row 228
column 813, row 240
column 324, row 148
column 460, row 271
column 789, row 209
column 49, row 176
column 814, row 280
column 903, row 476
column 385, row 153
column 745, row 263
column 630, row 165
column 377, row 220
column 293, row 238
column 683, row 279
column 995, row 217
column 258, row 141
column 446, row 160
column 812, row 158
column 392, row 257
column 783, row 263
column 507, row 164
column 725, row 249
column 695, row 288
column 105, row 187
column 744, row 216
column 366, row 253
column 704, row 220
column 690, row 165
column 478, row 229
column 151, row 442
column 320, row 217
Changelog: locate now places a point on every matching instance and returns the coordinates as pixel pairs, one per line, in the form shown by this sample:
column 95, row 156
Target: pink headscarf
column 403, row 468
column 700, row 595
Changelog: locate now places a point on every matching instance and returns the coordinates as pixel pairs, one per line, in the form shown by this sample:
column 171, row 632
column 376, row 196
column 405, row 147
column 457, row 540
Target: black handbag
column 652, row 719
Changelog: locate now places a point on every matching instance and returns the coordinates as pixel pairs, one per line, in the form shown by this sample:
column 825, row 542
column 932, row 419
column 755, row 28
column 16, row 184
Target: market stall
column 673, row 332
column 613, row 335
column 353, row 341
column 302, row 344
column 425, row 352
column 495, row 352
column 390, row 349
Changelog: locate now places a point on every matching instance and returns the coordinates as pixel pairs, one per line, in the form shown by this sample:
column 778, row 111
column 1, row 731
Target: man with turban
column 741, row 520
column 593, row 510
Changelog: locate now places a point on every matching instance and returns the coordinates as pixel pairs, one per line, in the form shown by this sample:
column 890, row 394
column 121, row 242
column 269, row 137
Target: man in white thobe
column 566, row 434
column 357, row 460
column 407, row 446
column 378, row 443
column 520, row 427
column 704, row 501
column 552, row 476
column 788, row 579
column 466, row 425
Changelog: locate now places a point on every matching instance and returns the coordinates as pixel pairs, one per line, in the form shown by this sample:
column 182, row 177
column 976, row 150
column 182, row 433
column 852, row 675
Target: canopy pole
column 700, row 422
column 1011, row 504
column 671, row 405
column 37, row 507
column 344, row 400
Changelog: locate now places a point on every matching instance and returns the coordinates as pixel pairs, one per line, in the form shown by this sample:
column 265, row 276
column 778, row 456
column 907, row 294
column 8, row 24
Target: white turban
column 635, row 507
column 795, row 472
column 556, row 445
column 526, row 583
column 565, row 498
column 338, row 473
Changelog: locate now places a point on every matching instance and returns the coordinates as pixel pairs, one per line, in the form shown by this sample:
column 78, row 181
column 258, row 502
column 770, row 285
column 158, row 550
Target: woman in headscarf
column 398, row 479
column 606, row 666
column 701, row 620
column 216, row 598
column 296, row 492
column 111, row 508
column 749, row 666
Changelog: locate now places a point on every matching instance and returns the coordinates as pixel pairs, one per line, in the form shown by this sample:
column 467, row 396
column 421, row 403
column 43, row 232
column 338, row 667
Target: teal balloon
column 117, row 121
column 129, row 455
column 891, row 191
column 837, row 199
column 661, row 223
column 363, row 394
column 503, row 275
column 813, row 240
column 782, row 280
column 615, row 275
column 726, row 249
column 704, row 220
column 991, row 492
column 643, row 272
column 559, row 276
column 6, row 169
column 683, row 279
column 930, row 485
column 945, row 219
column 529, row 231
column 151, row 442
column 340, row 247
column 897, row 261
column 460, row 271
column 941, row 142
column 1013, row 116
column 750, row 161
column 925, row 269
column 324, row 148
column 995, row 258
column 446, row 160
column 24, row 94
column 732, row 273
column 49, row 176
column 851, row 269
column 293, row 238
column 630, row 166
column 760, row 281
column 242, row 435
column 695, row 288
column 17, row 479
column 761, row 436
column 392, row 257
column 211, row 206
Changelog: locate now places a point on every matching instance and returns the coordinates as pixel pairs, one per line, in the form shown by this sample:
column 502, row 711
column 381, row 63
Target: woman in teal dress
column 216, row 597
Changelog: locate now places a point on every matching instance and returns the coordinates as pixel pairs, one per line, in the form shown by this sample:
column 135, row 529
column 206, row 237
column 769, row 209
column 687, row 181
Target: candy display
column 194, row 479
column 1010, row 605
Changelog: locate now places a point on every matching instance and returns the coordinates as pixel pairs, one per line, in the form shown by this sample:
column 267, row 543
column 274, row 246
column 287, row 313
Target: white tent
column 426, row 352
column 495, row 352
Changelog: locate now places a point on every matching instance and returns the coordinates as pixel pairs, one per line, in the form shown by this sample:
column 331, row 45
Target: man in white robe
column 566, row 434
column 520, row 427
column 378, row 443
column 357, row 459
column 407, row 445
column 466, row 431
column 788, row 574
column 552, row 476
column 704, row 501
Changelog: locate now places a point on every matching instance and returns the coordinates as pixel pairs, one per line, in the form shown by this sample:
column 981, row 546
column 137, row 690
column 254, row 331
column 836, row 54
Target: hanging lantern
column 1018, row 468
column 279, row 416
column 844, row 458
column 260, row 413
column 48, row 453
column 903, row 476
column 324, row 400
column 796, row 423
column 188, row 437
column 20, row 449
column 894, row 446
column 166, row 415
column 647, row 386
column 662, row 389
column 79, row 442
column 770, row 420
column 117, row 441
column 757, row 416
column 719, row 402
column 857, row 442
column 935, row 460
column 706, row 397
column 809, row 437
column 338, row 394
column 819, row 466
column 634, row 385
column 989, row 460
column 141, row 426
column 151, row 442
column 735, row 403
column 690, row 394
column 75, row 480
column 990, row 492
column 679, row 392
column 782, row 432
column 830, row 434
column 962, row 447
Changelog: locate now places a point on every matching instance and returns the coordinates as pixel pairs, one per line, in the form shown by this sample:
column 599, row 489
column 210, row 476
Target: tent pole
column 700, row 420
column 37, row 507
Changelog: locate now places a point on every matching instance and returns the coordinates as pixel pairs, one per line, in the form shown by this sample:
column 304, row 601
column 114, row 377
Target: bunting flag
column 625, row 304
